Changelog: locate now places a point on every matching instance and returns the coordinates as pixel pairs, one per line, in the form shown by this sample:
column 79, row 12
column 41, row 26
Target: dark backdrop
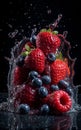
column 23, row 15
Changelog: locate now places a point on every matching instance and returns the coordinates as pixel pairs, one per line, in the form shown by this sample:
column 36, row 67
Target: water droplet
column 49, row 11
column 13, row 34
column 1, row 30
column 29, row 17
column 25, row 13
column 31, row 4
column 10, row 3
column 10, row 26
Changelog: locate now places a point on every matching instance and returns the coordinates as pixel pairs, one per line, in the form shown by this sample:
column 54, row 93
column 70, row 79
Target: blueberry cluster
column 62, row 85
column 38, row 82
column 66, row 86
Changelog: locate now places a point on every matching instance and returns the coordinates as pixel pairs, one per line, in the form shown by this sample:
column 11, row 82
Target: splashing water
column 12, row 90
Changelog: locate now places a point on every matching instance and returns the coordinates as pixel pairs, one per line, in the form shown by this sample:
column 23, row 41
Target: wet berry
column 33, row 39
column 69, row 91
column 37, row 82
column 46, row 79
column 63, row 84
column 54, row 87
column 33, row 74
column 20, row 61
column 51, row 57
column 45, row 109
column 24, row 109
column 43, row 92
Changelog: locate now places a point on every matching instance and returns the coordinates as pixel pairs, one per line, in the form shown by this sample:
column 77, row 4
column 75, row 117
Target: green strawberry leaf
column 43, row 30
column 49, row 30
column 25, row 53
column 55, row 32
column 59, row 56
column 27, row 48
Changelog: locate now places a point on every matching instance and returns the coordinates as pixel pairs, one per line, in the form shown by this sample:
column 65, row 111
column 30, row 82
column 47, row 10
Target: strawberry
column 20, row 75
column 47, row 42
column 68, row 67
column 27, row 95
column 36, row 60
column 59, row 101
column 58, row 71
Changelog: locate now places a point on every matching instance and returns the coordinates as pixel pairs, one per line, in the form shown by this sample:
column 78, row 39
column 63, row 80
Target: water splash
column 15, row 52
column 22, row 32
column 13, row 34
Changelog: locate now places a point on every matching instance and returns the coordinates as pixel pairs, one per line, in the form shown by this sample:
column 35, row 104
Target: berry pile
column 43, row 71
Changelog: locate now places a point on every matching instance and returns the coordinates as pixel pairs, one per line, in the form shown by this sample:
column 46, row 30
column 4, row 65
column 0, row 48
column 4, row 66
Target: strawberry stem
column 55, row 24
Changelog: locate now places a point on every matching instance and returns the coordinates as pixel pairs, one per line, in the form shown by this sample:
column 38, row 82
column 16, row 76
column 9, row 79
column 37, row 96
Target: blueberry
column 54, row 87
column 20, row 60
column 51, row 57
column 23, row 109
column 46, row 79
column 33, row 74
column 63, row 84
column 43, row 92
column 69, row 91
column 37, row 82
column 33, row 39
column 45, row 109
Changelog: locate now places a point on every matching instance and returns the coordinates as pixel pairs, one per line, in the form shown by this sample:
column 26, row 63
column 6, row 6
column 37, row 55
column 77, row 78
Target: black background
column 23, row 15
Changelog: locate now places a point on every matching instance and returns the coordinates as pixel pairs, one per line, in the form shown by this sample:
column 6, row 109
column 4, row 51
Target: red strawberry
column 58, row 71
column 68, row 68
column 47, row 42
column 20, row 75
column 27, row 95
column 59, row 101
column 36, row 60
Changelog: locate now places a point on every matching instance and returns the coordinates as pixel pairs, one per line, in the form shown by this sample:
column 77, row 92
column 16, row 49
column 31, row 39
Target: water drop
column 49, row 11
column 13, row 34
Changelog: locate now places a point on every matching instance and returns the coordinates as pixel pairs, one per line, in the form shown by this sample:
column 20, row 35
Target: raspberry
column 59, row 101
column 62, row 101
